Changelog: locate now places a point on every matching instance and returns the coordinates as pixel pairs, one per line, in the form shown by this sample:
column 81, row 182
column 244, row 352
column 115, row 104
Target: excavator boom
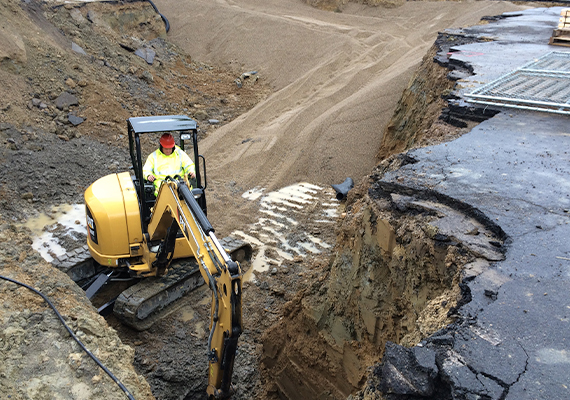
column 176, row 209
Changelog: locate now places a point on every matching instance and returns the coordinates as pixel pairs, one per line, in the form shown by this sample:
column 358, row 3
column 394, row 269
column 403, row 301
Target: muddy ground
column 70, row 77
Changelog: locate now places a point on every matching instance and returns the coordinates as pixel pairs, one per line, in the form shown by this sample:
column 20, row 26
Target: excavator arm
column 177, row 209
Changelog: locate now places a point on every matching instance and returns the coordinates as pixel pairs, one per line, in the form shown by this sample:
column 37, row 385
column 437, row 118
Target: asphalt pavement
column 515, row 168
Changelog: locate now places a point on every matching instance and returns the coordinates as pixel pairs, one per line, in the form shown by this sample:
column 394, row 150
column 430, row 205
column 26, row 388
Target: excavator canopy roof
column 163, row 123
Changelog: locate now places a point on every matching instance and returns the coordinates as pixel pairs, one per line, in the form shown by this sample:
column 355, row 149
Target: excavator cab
column 119, row 206
column 185, row 130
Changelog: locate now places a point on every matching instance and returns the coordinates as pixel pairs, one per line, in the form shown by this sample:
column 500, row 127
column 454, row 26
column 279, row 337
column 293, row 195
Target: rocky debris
column 455, row 371
column 39, row 103
column 66, row 100
column 78, row 49
column 404, row 371
column 75, row 120
column 458, row 112
column 87, row 65
column 36, row 157
column 249, row 76
column 146, row 54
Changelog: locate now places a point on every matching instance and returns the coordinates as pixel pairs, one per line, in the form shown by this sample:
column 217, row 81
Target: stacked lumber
column 561, row 35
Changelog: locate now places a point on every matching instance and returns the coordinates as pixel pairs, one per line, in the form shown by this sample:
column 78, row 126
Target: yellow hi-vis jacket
column 161, row 166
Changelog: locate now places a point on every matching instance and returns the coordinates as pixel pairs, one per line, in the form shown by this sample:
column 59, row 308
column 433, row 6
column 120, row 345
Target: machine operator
column 167, row 160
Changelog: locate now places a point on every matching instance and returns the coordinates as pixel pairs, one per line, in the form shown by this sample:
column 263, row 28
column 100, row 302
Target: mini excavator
column 133, row 234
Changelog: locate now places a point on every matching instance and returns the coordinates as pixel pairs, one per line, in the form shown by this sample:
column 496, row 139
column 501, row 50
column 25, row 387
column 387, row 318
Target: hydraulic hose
column 166, row 23
column 212, row 284
column 113, row 377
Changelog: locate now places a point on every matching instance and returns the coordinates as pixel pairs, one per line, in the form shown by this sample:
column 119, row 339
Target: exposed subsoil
column 70, row 78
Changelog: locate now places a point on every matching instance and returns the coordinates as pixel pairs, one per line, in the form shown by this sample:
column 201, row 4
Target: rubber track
column 144, row 303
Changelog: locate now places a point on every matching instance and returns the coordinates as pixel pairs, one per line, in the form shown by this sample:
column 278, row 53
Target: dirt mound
column 73, row 73
column 39, row 358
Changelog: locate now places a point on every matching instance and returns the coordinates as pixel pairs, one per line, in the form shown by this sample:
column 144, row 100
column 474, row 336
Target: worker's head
column 167, row 143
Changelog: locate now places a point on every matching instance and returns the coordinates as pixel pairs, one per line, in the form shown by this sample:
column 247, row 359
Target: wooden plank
column 557, row 41
column 560, row 32
column 565, row 37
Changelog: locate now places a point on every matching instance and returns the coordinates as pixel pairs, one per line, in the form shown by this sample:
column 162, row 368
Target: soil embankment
column 399, row 262
column 396, row 275
column 39, row 358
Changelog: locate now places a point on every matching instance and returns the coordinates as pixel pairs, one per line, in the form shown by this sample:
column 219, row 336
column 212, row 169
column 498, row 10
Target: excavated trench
column 394, row 275
column 396, row 272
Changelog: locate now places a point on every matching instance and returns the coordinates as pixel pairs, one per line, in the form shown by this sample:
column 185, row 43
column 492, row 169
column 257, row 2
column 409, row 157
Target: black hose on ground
column 166, row 23
column 113, row 377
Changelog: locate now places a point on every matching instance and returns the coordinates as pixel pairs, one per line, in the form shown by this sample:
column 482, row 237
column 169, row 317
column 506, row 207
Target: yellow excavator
column 133, row 234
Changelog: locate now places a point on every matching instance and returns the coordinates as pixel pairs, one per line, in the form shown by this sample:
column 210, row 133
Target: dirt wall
column 394, row 276
column 396, row 271
column 40, row 360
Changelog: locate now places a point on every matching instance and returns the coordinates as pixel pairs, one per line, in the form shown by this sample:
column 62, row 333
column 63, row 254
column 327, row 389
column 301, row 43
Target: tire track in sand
column 337, row 76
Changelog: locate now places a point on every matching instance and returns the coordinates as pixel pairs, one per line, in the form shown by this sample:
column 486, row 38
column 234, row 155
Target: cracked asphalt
column 515, row 168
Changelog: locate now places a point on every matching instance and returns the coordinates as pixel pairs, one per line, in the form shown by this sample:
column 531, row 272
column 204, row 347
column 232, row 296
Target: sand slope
column 337, row 76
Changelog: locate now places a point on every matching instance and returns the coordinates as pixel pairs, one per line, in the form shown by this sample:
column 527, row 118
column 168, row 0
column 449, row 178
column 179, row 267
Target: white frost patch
column 331, row 212
column 309, row 247
column 264, row 221
column 280, row 216
column 253, row 194
column 284, row 209
column 248, row 238
column 319, row 242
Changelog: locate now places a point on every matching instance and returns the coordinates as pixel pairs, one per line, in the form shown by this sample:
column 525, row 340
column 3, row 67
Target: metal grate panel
column 541, row 85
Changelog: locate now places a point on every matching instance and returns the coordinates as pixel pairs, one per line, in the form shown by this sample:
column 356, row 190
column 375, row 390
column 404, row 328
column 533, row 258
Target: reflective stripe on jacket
column 161, row 165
